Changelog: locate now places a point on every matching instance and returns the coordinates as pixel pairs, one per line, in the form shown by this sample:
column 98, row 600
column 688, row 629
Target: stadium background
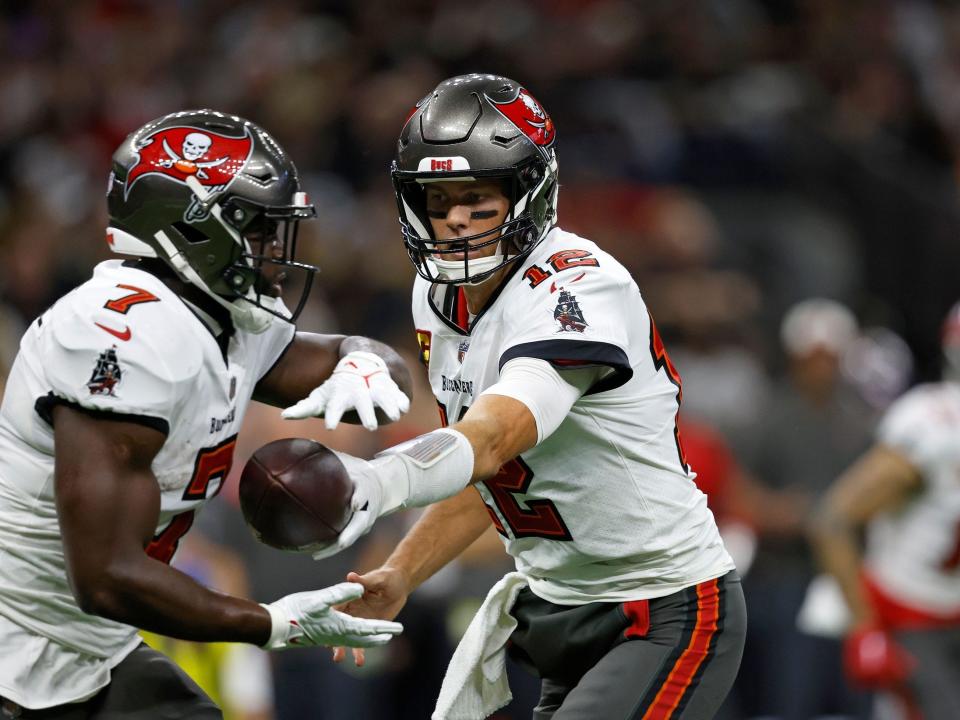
column 739, row 156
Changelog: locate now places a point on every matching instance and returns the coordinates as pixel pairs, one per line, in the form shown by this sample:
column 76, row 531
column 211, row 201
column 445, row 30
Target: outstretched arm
column 527, row 405
column 444, row 531
column 372, row 377
column 880, row 480
column 108, row 503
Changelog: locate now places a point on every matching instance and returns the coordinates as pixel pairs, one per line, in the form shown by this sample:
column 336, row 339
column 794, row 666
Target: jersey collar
column 453, row 302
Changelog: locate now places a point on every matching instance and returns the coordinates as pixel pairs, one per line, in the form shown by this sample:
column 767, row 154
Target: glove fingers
column 403, row 401
column 310, row 406
column 365, row 641
column 355, row 529
column 299, row 411
column 366, row 627
column 328, row 551
column 340, row 593
column 331, row 549
column 364, row 408
column 386, row 399
column 334, row 412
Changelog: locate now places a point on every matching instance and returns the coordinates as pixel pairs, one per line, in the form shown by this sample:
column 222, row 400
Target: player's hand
column 309, row 618
column 873, row 659
column 385, row 593
column 361, row 382
column 367, row 503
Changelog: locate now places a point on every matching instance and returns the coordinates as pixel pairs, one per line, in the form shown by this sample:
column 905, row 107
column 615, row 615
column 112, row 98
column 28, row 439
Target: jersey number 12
column 533, row 518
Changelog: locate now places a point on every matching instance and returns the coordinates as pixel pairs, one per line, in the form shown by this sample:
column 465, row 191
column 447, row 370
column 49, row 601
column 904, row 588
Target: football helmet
column 472, row 127
column 218, row 199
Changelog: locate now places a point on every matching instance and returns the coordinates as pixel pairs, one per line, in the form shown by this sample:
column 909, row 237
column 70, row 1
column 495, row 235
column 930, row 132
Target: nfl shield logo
column 462, row 350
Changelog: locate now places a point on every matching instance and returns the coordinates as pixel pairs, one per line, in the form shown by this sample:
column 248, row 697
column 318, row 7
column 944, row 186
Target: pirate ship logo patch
column 106, row 374
column 568, row 314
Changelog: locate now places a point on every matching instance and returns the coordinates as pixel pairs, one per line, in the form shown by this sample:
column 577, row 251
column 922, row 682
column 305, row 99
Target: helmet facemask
column 268, row 241
column 476, row 127
column 531, row 190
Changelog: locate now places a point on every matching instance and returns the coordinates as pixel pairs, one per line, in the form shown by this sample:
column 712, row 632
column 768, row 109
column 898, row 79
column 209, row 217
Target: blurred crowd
column 780, row 177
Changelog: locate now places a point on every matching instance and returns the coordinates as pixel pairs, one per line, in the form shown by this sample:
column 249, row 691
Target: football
column 295, row 495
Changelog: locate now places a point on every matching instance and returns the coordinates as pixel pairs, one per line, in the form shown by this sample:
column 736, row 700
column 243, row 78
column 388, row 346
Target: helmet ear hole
column 190, row 233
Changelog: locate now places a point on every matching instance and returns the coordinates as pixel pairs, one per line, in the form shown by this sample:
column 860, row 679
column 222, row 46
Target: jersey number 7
column 212, row 463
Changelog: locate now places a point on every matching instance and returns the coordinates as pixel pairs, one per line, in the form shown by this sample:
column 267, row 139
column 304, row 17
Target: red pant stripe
column 679, row 680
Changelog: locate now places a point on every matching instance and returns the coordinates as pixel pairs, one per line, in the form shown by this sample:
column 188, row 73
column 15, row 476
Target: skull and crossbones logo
column 533, row 106
column 195, row 146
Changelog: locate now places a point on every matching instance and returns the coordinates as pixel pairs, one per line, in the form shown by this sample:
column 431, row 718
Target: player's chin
column 271, row 284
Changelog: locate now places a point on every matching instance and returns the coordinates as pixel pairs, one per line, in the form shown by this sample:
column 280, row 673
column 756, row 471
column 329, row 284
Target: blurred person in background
column 120, row 417
column 903, row 588
column 813, row 427
column 561, row 404
column 707, row 312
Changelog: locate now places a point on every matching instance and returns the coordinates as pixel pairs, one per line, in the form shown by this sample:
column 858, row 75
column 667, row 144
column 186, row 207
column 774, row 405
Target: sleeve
column 908, row 427
column 547, row 393
column 581, row 323
column 141, row 379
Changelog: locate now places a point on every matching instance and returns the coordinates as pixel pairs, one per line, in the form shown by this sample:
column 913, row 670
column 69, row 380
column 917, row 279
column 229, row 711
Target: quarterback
column 120, row 418
column 561, row 408
column 903, row 589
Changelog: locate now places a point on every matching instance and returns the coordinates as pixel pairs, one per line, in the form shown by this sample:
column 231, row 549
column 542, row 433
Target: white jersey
column 605, row 508
column 913, row 552
column 122, row 343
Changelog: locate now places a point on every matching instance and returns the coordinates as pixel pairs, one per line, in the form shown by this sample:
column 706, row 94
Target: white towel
column 475, row 685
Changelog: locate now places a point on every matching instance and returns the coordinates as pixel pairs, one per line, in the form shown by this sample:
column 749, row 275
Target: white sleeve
column 143, row 378
column 910, row 426
column 578, row 321
column 547, row 393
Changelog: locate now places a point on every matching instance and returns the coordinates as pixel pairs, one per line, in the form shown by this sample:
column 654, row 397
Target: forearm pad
column 424, row 470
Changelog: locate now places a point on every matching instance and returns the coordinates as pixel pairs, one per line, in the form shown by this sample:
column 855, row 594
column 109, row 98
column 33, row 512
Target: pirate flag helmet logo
column 530, row 117
column 182, row 152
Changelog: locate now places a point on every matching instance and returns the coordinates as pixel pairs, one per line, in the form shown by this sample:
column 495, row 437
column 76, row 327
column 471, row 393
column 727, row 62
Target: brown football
column 295, row 494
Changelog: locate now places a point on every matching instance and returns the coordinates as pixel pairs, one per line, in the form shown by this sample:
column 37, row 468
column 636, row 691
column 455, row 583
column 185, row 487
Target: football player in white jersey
column 903, row 589
column 561, row 405
column 120, row 417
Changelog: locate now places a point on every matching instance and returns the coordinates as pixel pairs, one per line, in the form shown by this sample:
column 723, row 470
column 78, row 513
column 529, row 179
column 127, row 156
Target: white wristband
column 424, row 470
column 279, row 627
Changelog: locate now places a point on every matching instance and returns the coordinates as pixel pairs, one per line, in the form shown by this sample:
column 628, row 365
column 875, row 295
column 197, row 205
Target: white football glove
column 308, row 618
column 361, row 382
column 367, row 503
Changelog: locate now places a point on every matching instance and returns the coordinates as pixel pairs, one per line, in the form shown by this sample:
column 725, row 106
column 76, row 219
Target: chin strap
column 454, row 269
column 246, row 314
